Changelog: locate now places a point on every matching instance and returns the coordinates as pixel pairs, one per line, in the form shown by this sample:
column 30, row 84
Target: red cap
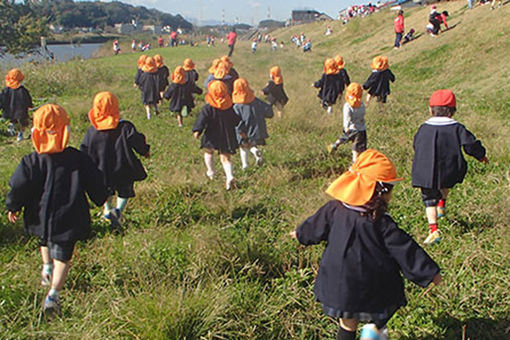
column 443, row 98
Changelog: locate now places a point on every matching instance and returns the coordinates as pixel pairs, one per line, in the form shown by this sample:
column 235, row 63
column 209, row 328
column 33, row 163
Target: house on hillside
column 306, row 16
column 152, row 28
column 126, row 28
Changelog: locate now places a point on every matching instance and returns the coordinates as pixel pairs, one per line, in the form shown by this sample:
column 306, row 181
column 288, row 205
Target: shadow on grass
column 315, row 166
column 12, row 234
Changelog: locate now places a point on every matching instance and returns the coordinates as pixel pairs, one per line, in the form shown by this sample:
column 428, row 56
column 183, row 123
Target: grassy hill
column 197, row 262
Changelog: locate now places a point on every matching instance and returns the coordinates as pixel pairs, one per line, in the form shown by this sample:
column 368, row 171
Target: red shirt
column 231, row 38
column 399, row 24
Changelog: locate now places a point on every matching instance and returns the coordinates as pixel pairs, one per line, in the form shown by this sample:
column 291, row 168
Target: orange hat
column 217, row 95
column 214, row 65
column 150, row 65
column 159, row 60
column 141, row 60
column 188, row 64
column 221, row 70
column 242, row 93
column 13, row 78
column 353, row 94
column 227, row 60
column 179, row 75
column 339, row 60
column 380, row 63
column 104, row 114
column 356, row 186
column 276, row 74
column 330, row 66
column 443, row 98
column 50, row 132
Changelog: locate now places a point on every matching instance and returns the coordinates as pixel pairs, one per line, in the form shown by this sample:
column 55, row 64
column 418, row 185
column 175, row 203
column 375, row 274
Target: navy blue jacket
column 181, row 95
column 15, row 103
column 275, row 93
column 330, row 86
column 253, row 121
column 149, row 85
column 378, row 83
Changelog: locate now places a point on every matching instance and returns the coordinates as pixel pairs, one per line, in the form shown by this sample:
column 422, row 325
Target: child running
column 149, row 85
column 253, row 113
column 438, row 162
column 354, row 122
column 378, row 83
column 180, row 94
column 231, row 70
column 163, row 74
column 330, row 85
column 222, row 73
column 340, row 63
column 359, row 278
column 111, row 143
column 140, row 62
column 274, row 91
column 218, row 122
column 191, row 79
column 49, row 185
column 15, row 101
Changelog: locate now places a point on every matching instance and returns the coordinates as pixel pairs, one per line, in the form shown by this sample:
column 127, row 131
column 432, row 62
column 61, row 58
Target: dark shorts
column 430, row 197
column 124, row 190
column 61, row 251
column 381, row 99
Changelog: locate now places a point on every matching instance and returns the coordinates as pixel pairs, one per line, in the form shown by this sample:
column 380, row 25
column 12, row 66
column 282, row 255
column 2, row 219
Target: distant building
column 306, row 16
column 152, row 28
column 126, row 28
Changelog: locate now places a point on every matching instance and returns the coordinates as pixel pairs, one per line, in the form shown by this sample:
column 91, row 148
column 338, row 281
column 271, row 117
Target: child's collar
column 354, row 207
column 441, row 121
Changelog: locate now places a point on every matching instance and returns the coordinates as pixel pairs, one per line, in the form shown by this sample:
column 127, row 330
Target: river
column 60, row 52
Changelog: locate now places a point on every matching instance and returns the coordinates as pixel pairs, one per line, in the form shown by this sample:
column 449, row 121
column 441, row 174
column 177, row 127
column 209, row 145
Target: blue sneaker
column 115, row 216
column 369, row 332
column 51, row 306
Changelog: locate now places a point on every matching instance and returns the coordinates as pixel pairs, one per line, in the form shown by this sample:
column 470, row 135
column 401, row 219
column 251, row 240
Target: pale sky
column 247, row 11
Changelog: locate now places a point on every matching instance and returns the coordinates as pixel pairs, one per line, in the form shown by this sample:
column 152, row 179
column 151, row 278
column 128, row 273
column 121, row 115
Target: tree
column 20, row 27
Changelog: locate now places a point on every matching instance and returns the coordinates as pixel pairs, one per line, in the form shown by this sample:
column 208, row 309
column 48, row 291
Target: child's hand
column 196, row 134
column 437, row 279
column 12, row 216
column 293, row 235
column 135, row 86
column 484, row 160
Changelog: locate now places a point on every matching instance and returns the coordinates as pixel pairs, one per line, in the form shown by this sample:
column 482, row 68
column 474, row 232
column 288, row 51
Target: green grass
column 197, row 262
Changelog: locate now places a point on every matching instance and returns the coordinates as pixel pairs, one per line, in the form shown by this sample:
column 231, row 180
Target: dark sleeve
column 21, row 187
column 169, row 91
column 137, row 77
column 201, row 122
column 196, row 75
column 266, row 90
column 136, row 140
column 95, row 188
column 414, row 262
column 320, row 83
column 370, row 81
column 391, row 75
column 315, row 228
column 345, row 76
column 28, row 99
column 197, row 89
column 471, row 145
column 268, row 110
column 84, row 146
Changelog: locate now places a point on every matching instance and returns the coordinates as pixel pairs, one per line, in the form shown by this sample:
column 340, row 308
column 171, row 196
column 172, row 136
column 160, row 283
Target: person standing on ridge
column 399, row 28
column 231, row 39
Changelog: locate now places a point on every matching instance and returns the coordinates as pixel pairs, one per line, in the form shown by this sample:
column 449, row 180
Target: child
column 340, row 63
column 218, row 121
column 179, row 93
column 110, row 142
column 274, row 91
column 163, row 74
column 378, row 84
column 438, row 162
column 330, row 85
column 191, row 73
column 191, row 79
column 254, row 46
column 308, row 46
column 50, row 185
column 359, row 278
column 15, row 101
column 149, row 84
column 230, row 66
column 253, row 113
column 409, row 36
column 140, row 62
column 354, row 122
column 221, row 73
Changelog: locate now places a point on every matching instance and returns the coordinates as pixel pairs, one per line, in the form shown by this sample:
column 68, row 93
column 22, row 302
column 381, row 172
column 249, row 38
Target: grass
column 197, row 262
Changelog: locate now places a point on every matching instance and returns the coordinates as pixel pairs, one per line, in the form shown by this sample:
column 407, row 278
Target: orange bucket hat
column 13, row 78
column 227, row 60
column 221, row 70
column 179, row 75
column 339, row 60
column 276, row 74
column 188, row 64
column 150, row 65
column 242, row 93
column 104, row 114
column 217, row 95
column 330, row 66
column 353, row 94
column 214, row 65
column 357, row 186
column 379, row 63
column 50, row 132
column 159, row 60
column 141, row 60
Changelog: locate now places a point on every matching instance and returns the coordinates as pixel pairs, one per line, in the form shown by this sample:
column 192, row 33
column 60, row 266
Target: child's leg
column 431, row 198
column 47, row 267
column 108, row 206
column 209, row 162
column 441, row 205
column 367, row 101
column 179, row 120
column 148, row 111
column 330, row 109
column 243, row 150
column 156, row 111
column 257, row 154
column 60, row 274
column 121, row 203
column 347, row 329
column 227, row 167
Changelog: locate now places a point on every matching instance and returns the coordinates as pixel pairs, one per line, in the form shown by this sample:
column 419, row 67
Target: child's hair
column 378, row 206
column 443, row 111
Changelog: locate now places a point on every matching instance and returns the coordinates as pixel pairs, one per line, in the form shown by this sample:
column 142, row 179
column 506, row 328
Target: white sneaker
column 210, row 175
column 230, row 184
column 149, row 116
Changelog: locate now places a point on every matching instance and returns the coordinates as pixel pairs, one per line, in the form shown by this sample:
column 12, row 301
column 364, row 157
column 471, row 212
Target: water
column 60, row 52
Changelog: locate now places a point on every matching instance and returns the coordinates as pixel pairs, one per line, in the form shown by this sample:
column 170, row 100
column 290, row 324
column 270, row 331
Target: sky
column 243, row 11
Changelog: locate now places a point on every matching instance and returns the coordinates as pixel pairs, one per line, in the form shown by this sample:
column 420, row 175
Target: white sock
column 54, row 293
column 354, row 156
column 47, row 268
column 329, row 109
column 244, row 157
column 227, row 167
column 108, row 206
column 255, row 152
column 121, row 203
column 209, row 163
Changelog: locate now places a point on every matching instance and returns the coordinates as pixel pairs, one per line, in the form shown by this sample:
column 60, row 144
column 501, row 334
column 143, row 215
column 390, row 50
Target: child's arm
column 268, row 110
column 345, row 76
column 200, row 123
column 347, row 117
column 471, row 145
column 319, row 83
column 370, row 81
column 169, row 91
column 392, row 76
column 95, row 188
column 21, row 190
column 28, row 98
column 315, row 228
column 266, row 90
column 136, row 140
column 197, row 89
